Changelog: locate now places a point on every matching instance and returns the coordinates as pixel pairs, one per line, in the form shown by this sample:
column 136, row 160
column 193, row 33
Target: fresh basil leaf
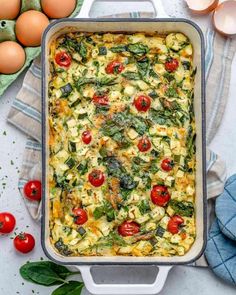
column 69, row 288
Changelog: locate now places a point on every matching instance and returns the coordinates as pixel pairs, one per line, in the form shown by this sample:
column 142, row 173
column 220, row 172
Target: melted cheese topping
column 116, row 128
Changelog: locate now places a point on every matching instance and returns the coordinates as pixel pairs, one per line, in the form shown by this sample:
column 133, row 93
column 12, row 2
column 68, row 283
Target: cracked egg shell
column 202, row 6
column 224, row 18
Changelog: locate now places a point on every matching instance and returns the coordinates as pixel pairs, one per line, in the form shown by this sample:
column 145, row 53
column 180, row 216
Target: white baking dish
column 132, row 25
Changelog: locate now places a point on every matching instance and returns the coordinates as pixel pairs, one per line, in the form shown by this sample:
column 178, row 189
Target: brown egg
column 58, row 8
column 30, row 26
column 9, row 9
column 12, row 57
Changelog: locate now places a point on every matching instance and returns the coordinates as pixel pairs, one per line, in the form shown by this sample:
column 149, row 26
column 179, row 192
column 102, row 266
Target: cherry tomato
column 101, row 98
column 80, row 216
column 144, row 144
column 174, row 223
column 63, row 59
column 128, row 228
column 96, row 178
column 142, row 103
column 86, row 137
column 160, row 195
column 167, row 164
column 7, row 222
column 24, row 242
column 114, row 67
column 32, row 190
column 171, row 64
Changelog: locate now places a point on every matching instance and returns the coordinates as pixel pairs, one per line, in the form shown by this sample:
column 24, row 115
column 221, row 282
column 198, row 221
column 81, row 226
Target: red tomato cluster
column 23, row 242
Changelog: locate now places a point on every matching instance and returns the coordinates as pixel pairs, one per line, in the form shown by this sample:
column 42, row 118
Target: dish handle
column 124, row 289
column 157, row 6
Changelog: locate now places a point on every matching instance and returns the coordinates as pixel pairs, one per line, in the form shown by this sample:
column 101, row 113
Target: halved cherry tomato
column 63, row 59
column 114, row 67
column 7, row 222
column 144, row 144
column 96, row 178
column 128, row 228
column 24, row 242
column 142, row 103
column 174, row 223
column 171, row 64
column 101, row 98
column 80, row 216
column 160, row 195
column 167, row 164
column 33, row 190
column 86, row 137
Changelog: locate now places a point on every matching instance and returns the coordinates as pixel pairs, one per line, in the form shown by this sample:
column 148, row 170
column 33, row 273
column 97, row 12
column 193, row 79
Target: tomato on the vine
column 167, row 164
column 101, row 99
column 128, row 228
column 96, row 177
column 7, row 222
column 142, row 103
column 114, row 67
column 87, row 137
column 33, row 190
column 171, row 64
column 80, row 216
column 174, row 223
column 160, row 195
column 63, row 59
column 144, row 144
column 24, row 242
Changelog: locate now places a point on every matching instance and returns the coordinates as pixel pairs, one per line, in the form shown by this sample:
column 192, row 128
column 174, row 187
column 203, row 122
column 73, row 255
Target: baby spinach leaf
column 182, row 208
column 131, row 75
column 69, row 288
column 138, row 48
column 119, row 48
column 144, row 207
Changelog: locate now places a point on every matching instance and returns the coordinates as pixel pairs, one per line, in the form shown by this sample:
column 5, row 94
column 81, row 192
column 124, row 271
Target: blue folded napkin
column 221, row 245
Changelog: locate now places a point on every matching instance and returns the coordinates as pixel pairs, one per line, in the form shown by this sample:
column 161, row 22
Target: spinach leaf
column 144, row 67
column 41, row 275
column 182, row 208
column 121, row 140
column 105, row 209
column 171, row 92
column 107, row 81
column 83, row 51
column 69, row 288
column 144, row 207
column 60, row 270
column 119, row 48
column 138, row 48
column 169, row 77
column 131, row 75
column 140, row 125
column 102, row 109
column 153, row 74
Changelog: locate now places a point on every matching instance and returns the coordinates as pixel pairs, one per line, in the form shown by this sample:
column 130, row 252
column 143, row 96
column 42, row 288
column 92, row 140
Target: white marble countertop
column 186, row 280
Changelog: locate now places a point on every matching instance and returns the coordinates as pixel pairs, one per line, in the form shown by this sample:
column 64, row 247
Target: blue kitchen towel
column 221, row 254
column 226, row 209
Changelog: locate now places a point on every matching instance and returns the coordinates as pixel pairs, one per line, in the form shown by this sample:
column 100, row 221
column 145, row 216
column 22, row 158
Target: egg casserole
column 121, row 144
